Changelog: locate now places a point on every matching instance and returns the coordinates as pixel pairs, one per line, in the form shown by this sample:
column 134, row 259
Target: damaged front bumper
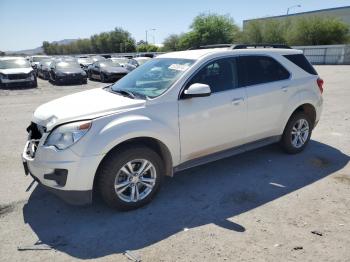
column 62, row 172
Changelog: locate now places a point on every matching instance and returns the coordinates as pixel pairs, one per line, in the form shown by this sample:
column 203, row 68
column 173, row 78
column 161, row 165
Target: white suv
column 176, row 111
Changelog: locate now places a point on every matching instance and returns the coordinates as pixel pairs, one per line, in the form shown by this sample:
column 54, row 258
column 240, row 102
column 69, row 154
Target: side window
column 220, row 75
column 253, row 70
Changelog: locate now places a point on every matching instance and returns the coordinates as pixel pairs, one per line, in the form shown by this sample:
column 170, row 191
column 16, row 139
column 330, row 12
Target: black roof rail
column 242, row 46
column 246, row 46
column 212, row 46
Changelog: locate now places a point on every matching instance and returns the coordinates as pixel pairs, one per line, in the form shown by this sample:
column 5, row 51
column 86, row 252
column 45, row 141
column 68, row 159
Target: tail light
column 320, row 83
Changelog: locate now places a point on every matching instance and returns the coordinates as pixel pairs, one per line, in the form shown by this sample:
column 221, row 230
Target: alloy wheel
column 135, row 180
column 300, row 133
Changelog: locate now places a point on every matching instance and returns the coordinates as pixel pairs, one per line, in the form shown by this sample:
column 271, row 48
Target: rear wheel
column 297, row 133
column 129, row 178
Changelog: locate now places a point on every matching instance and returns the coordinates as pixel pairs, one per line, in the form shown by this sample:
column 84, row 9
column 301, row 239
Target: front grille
column 18, row 76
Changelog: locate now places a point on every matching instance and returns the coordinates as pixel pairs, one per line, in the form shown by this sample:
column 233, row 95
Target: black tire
column 84, row 81
column 103, row 78
column 112, row 164
column 35, row 83
column 287, row 137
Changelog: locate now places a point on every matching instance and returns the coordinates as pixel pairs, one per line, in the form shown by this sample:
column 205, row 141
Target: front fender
column 111, row 133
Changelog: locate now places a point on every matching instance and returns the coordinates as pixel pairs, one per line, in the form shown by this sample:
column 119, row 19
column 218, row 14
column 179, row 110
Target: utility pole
column 152, row 29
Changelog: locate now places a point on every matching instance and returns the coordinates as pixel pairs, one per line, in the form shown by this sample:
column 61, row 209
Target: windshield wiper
column 124, row 93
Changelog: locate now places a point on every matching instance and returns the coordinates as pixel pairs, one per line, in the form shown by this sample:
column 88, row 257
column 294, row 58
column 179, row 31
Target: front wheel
column 297, row 133
column 129, row 178
column 103, row 78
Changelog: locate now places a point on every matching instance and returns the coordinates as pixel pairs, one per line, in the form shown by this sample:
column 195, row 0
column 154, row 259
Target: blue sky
column 26, row 24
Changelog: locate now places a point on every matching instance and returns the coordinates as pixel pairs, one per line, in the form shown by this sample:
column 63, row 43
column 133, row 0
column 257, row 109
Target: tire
column 290, row 141
column 114, row 170
column 35, row 83
column 103, row 78
column 84, row 81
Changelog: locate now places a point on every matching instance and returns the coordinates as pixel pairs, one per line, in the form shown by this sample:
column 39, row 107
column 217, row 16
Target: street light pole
column 152, row 29
column 291, row 7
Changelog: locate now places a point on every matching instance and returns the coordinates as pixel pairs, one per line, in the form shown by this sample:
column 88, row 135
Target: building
column 342, row 13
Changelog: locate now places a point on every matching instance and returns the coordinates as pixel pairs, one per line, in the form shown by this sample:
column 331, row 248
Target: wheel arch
column 153, row 143
column 308, row 109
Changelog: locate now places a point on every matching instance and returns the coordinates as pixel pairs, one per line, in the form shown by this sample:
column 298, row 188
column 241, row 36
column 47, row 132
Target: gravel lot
column 259, row 206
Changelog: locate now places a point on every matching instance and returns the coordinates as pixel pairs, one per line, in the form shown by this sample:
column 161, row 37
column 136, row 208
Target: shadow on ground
column 208, row 194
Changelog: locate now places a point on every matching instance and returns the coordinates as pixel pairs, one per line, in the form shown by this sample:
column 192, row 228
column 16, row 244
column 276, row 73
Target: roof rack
column 211, row 46
column 242, row 46
column 246, row 46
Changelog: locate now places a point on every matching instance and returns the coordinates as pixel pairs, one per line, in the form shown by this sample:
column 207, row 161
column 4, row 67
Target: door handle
column 237, row 101
column 284, row 88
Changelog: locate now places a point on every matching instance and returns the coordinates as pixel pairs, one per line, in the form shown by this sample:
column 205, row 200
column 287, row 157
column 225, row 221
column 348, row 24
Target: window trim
column 183, row 87
column 269, row 56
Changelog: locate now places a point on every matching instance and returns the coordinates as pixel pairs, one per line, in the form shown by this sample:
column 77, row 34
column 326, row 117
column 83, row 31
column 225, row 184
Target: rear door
column 267, row 84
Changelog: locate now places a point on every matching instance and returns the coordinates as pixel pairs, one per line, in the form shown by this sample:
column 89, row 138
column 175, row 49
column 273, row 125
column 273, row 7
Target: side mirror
column 197, row 90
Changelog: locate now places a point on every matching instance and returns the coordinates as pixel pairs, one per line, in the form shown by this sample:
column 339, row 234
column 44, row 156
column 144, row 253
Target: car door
column 266, row 82
column 216, row 122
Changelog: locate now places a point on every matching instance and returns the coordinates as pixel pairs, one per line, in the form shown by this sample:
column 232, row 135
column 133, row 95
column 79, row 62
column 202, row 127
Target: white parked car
column 176, row 111
column 15, row 71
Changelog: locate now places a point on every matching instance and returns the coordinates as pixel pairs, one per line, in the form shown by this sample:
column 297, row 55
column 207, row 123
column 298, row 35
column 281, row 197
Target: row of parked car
column 77, row 69
column 65, row 69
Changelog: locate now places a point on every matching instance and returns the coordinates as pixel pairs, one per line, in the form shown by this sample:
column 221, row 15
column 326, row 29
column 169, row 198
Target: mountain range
column 39, row 50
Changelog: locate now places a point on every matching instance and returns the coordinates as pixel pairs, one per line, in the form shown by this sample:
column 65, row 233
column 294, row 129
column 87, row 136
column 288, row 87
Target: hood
column 8, row 71
column 71, row 70
column 83, row 105
column 115, row 69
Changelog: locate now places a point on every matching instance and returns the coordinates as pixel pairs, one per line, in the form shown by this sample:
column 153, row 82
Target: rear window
column 301, row 61
column 254, row 70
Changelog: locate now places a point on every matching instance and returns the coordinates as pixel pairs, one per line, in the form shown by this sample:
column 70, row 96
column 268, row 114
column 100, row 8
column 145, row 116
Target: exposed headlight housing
column 66, row 135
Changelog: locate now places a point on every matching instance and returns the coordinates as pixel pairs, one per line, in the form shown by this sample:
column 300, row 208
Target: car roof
column 142, row 58
column 199, row 53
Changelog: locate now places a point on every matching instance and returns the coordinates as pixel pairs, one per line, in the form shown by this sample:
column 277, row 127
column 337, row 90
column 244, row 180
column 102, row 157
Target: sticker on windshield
column 179, row 67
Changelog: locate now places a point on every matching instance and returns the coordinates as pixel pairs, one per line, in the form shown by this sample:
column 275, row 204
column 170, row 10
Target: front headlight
column 66, row 135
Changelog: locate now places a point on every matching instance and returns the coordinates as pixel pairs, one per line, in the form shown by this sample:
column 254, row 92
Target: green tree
column 210, row 29
column 172, row 43
column 318, row 30
column 115, row 41
column 206, row 29
column 147, row 48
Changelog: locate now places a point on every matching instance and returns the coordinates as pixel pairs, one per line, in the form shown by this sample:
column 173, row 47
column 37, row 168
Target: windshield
column 108, row 63
column 120, row 60
column 67, row 64
column 153, row 78
column 39, row 58
column 85, row 60
column 46, row 62
column 14, row 63
column 97, row 58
